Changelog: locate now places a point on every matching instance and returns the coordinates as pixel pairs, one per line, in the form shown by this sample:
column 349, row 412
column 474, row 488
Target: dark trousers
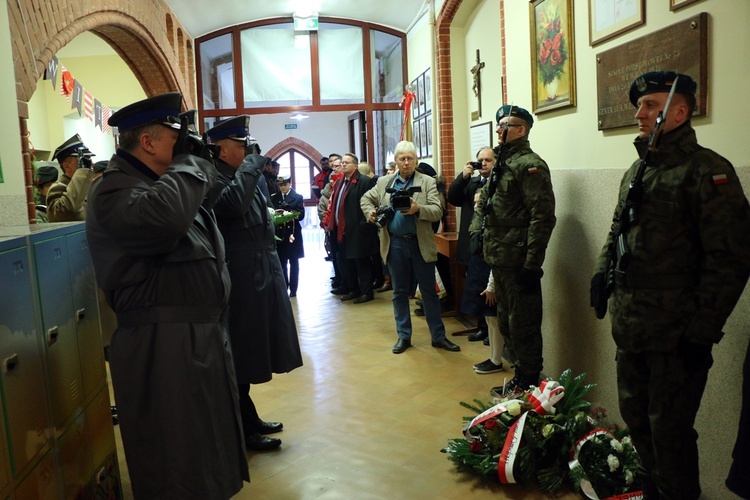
column 660, row 394
column 248, row 413
column 738, row 480
column 292, row 276
column 356, row 272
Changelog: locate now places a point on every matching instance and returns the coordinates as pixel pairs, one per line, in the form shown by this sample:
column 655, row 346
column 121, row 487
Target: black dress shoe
column 349, row 296
column 363, row 298
column 486, row 340
column 447, row 345
column 477, row 336
column 270, row 427
column 259, row 442
column 401, row 346
column 339, row 291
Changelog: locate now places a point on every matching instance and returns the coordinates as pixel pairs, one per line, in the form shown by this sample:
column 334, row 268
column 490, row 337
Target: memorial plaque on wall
column 681, row 47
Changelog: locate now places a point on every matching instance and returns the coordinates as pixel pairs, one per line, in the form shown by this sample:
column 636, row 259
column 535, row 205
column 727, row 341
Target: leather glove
column 531, row 281
column 598, row 295
column 181, row 146
column 695, row 356
column 199, row 148
column 475, row 243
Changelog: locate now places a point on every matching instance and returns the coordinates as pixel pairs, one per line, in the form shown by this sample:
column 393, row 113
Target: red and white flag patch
column 532, row 170
column 720, row 179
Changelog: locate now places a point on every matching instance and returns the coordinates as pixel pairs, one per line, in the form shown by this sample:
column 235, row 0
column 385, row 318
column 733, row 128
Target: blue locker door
column 58, row 328
column 21, row 361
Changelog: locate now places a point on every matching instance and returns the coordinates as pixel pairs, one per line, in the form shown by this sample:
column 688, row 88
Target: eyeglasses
column 506, row 125
column 406, row 159
column 347, row 163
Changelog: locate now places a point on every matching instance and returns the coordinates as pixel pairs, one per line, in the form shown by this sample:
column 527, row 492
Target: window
column 300, row 168
column 216, row 72
column 387, row 67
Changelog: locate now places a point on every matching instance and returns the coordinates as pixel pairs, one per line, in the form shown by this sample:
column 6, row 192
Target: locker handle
column 80, row 314
column 10, row 363
column 52, row 334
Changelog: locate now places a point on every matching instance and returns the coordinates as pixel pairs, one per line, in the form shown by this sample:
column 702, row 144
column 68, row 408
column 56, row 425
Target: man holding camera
column 515, row 217
column 461, row 194
column 159, row 258
column 66, row 199
column 410, row 202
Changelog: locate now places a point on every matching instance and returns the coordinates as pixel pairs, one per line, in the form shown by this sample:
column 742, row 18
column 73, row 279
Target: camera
column 383, row 215
column 476, row 165
column 401, row 198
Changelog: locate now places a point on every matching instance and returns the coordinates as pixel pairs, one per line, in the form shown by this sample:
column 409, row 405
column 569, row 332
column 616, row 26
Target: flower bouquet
column 550, row 40
column 282, row 217
column 550, row 437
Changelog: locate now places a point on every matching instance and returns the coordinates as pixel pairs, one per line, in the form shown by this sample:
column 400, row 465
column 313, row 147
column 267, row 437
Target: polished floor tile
column 359, row 421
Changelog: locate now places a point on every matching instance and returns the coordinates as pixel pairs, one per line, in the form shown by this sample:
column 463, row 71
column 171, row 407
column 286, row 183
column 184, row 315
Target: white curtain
column 341, row 64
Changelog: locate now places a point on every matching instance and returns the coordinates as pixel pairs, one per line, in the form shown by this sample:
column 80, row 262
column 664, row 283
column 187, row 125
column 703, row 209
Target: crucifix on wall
column 477, row 87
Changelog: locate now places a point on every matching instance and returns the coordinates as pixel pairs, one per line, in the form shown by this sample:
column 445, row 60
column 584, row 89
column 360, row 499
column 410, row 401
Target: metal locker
column 21, row 358
column 41, row 483
column 58, row 327
column 75, row 459
column 86, row 310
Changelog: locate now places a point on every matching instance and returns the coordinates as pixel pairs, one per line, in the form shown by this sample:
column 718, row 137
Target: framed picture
column 427, row 91
column 422, row 102
column 678, row 4
column 610, row 18
column 428, row 138
column 480, row 136
column 415, row 102
column 423, row 135
column 417, row 137
column 553, row 68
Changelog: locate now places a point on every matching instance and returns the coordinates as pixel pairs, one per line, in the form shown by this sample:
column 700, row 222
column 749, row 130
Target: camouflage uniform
column 689, row 255
column 516, row 231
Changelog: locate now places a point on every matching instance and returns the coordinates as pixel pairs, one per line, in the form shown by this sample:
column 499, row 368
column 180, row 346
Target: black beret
column 660, row 81
column 237, row 129
column 426, row 169
column 162, row 109
column 70, row 148
column 45, row 175
column 100, row 166
column 511, row 110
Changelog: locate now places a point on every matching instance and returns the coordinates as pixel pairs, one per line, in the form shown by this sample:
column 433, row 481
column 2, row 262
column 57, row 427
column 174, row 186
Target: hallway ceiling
column 200, row 17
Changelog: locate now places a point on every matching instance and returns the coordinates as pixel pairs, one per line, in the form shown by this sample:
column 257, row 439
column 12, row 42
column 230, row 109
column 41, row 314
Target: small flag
column 97, row 114
column 532, row 170
column 106, row 113
column 720, row 179
column 76, row 98
column 88, row 105
column 66, row 87
column 51, row 72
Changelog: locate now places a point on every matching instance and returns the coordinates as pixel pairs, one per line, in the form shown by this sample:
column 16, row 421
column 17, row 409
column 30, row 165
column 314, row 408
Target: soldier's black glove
column 199, row 148
column 531, row 281
column 181, row 146
column 598, row 295
column 695, row 356
column 475, row 243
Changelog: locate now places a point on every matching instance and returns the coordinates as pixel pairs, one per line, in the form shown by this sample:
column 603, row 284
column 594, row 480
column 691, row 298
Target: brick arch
column 294, row 143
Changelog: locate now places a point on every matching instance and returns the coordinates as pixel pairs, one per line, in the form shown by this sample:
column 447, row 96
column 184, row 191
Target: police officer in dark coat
column 290, row 247
column 159, row 257
column 261, row 322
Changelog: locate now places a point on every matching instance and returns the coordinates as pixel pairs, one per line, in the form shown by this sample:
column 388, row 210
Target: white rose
column 514, row 408
column 616, row 445
column 629, row 477
column 613, row 462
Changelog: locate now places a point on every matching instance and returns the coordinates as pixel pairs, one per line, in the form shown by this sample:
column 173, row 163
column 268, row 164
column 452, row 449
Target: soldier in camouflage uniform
column 689, row 258
column 516, row 228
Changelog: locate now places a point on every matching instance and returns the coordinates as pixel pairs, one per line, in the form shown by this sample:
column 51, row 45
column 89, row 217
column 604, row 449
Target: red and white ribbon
column 510, row 450
column 545, row 397
column 488, row 414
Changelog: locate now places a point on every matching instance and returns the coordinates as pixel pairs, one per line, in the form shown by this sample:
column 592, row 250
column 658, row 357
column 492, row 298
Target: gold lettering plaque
column 681, row 47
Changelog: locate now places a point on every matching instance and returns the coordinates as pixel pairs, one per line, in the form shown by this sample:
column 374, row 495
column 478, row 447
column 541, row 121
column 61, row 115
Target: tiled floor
column 361, row 422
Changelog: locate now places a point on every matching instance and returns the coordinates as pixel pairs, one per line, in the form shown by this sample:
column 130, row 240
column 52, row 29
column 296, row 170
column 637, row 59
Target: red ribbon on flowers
column 488, row 414
column 406, row 101
column 510, row 450
column 545, row 397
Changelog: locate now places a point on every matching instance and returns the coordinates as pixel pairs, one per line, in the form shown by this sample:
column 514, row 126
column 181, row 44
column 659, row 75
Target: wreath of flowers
column 550, row 437
column 551, row 45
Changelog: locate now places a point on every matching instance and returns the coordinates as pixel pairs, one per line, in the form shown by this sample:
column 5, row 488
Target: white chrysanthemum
column 627, row 441
column 616, row 445
column 613, row 462
column 629, row 477
column 514, row 408
column 547, row 430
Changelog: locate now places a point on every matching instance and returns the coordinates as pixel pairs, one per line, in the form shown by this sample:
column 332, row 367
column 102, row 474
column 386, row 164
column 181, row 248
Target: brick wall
column 294, row 143
column 144, row 33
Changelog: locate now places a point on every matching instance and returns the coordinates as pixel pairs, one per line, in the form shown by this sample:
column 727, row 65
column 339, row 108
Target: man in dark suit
column 461, row 194
column 261, row 321
column 356, row 240
column 290, row 248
